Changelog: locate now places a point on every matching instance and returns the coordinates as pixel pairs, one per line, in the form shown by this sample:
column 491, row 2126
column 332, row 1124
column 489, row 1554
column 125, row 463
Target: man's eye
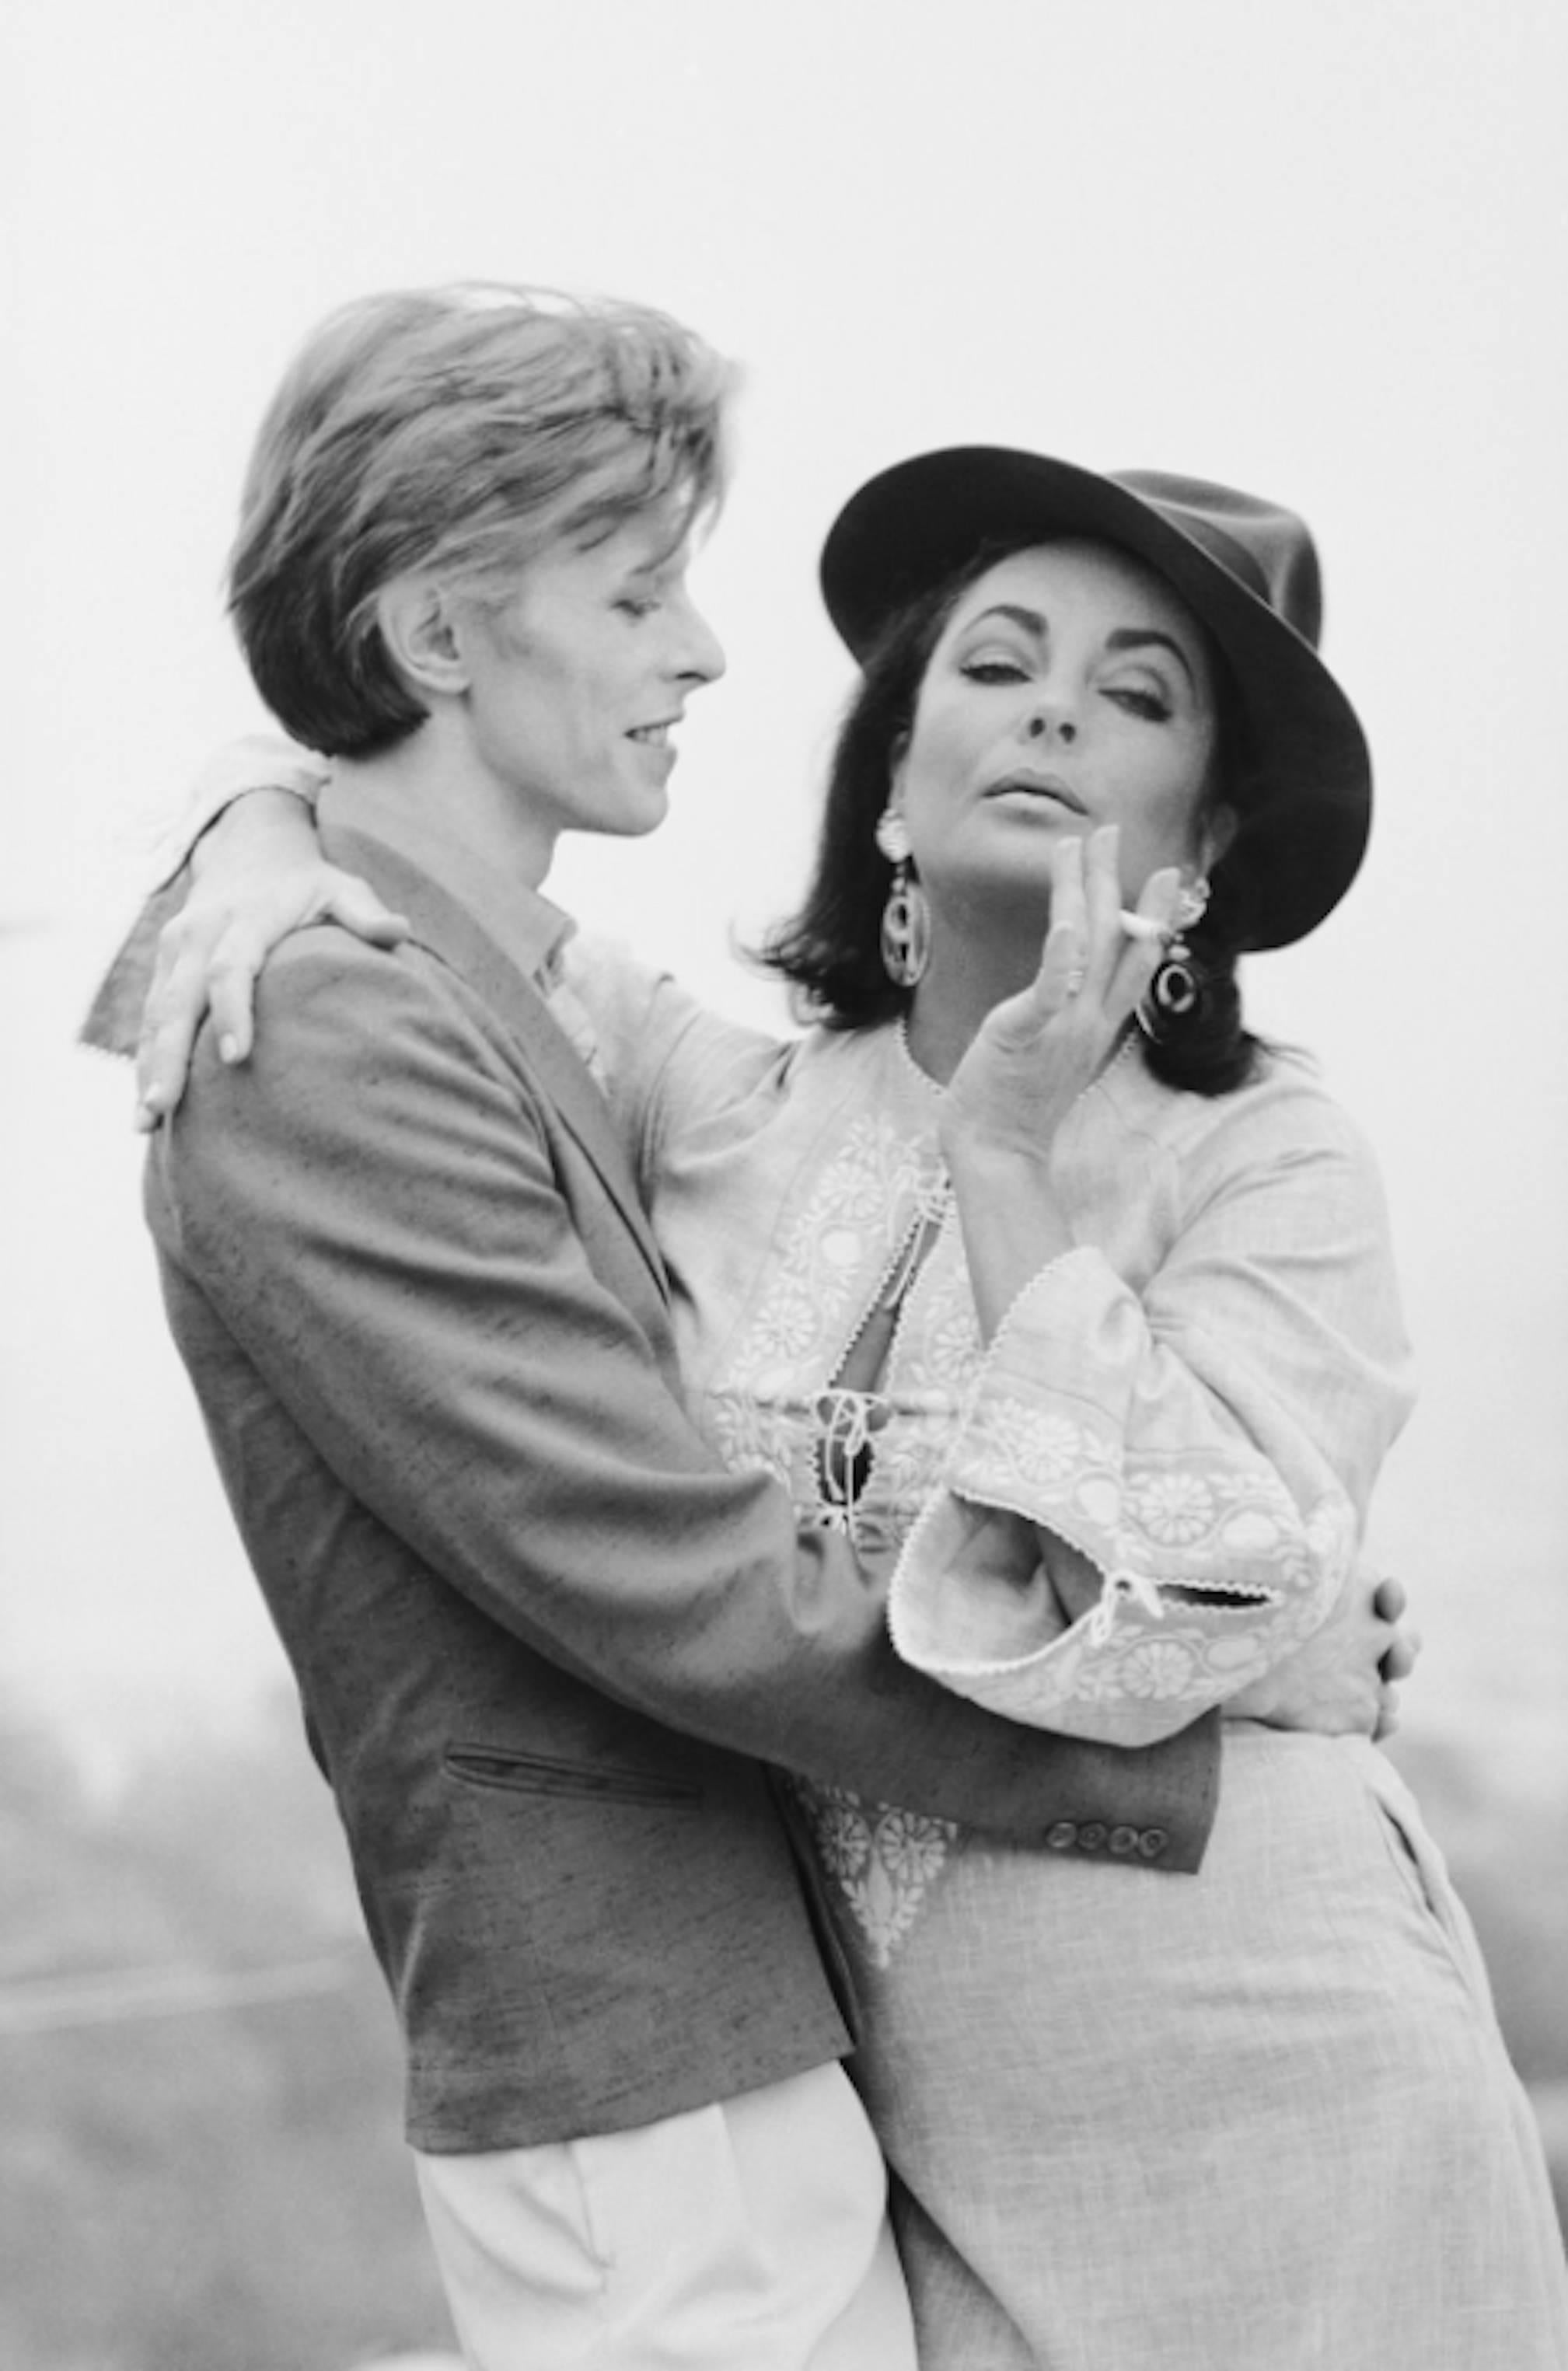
column 637, row 605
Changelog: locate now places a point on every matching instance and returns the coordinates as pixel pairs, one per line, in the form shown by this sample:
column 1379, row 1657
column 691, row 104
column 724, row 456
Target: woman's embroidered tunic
column 1253, row 2119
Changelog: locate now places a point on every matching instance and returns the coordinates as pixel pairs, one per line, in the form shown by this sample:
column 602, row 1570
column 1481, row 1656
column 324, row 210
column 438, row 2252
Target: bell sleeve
column 1196, row 1456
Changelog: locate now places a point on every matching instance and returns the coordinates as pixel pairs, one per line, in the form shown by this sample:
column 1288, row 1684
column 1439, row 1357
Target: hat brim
column 1303, row 828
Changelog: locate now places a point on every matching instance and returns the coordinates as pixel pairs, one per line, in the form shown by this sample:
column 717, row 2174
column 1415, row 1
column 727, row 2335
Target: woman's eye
column 1153, row 706
column 992, row 670
column 632, row 606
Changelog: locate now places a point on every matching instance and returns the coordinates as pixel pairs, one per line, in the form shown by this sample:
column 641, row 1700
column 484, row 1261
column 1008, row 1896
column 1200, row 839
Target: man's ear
column 417, row 623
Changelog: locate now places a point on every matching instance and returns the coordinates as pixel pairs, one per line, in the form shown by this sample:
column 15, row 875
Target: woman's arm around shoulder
column 669, row 1064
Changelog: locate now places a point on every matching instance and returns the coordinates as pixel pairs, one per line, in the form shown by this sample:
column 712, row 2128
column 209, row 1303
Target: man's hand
column 258, row 873
column 1344, row 1681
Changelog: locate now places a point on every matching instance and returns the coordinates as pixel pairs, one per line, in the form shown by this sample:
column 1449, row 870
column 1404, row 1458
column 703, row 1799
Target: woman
column 1262, row 2116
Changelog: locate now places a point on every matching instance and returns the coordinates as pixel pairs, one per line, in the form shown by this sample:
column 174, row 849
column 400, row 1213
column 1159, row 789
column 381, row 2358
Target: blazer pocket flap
column 550, row 1773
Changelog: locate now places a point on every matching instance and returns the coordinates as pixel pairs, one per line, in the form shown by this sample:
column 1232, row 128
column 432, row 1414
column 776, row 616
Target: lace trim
column 900, row 1032
column 1156, row 1547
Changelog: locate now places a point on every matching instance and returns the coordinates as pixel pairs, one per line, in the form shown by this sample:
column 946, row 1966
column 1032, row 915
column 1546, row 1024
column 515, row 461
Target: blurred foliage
column 224, row 2188
column 210, row 2188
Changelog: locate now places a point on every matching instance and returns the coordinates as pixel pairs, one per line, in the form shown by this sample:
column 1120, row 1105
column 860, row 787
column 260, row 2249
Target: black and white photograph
column 783, row 1522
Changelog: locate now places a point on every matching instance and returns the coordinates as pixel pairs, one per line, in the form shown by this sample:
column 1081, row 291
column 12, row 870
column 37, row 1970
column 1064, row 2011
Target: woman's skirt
column 1257, row 2119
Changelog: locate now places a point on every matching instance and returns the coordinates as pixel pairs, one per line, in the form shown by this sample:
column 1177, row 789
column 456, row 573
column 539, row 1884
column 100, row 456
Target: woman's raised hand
column 1035, row 1052
column 258, row 873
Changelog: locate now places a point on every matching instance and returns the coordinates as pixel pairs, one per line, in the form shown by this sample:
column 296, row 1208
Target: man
column 539, row 1633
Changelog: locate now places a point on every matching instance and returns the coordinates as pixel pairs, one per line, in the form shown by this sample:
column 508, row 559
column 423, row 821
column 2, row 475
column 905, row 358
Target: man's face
column 576, row 682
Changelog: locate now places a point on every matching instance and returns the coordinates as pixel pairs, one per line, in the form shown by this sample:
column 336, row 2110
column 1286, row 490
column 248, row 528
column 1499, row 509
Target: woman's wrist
column 1011, row 1221
column 264, row 816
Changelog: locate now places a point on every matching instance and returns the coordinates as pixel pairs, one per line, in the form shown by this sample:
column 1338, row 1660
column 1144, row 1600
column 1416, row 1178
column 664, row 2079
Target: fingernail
column 145, row 1118
column 228, row 1049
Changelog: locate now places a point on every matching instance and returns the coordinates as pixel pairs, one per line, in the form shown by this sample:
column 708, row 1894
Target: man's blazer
column 545, row 1642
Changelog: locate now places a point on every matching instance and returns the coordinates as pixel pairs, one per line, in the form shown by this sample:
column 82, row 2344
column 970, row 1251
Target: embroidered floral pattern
column 1175, row 1509
column 1213, row 1569
column 763, row 1409
column 1157, row 1667
column 882, row 1862
column 1231, row 1530
column 843, row 1835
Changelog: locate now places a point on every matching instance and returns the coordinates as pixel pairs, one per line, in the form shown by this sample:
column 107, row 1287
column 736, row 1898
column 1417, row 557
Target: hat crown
column 1246, row 568
column 1266, row 548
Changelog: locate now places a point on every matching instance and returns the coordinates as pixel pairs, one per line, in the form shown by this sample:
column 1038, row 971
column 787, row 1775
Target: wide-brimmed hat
column 1246, row 568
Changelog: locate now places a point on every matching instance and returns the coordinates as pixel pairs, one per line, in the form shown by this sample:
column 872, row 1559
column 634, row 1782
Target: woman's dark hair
column 830, row 951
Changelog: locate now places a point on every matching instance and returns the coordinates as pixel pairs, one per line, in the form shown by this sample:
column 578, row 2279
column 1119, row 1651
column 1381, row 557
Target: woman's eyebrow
column 1031, row 620
column 1134, row 637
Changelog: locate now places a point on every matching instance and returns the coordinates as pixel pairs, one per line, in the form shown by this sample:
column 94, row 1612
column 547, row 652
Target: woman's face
column 1071, row 688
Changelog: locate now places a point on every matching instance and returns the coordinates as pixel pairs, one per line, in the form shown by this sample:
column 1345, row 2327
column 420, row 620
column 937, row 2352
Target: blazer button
column 1092, row 1835
column 1124, row 1840
column 1152, row 1843
column 1062, row 1836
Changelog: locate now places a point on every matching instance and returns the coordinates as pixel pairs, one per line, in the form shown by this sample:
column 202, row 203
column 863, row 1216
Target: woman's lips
column 1038, row 786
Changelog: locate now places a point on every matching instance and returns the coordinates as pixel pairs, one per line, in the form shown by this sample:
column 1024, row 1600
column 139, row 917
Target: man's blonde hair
column 459, row 430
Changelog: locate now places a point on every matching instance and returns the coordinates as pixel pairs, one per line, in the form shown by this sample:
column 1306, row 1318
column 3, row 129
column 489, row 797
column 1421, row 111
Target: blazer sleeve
column 1207, row 1446
column 373, row 1211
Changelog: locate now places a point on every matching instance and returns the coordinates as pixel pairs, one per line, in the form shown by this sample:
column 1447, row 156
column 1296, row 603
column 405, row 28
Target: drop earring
column 906, row 918
column 1177, row 986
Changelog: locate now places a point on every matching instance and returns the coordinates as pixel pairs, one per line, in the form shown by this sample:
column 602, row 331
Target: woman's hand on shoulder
column 258, row 874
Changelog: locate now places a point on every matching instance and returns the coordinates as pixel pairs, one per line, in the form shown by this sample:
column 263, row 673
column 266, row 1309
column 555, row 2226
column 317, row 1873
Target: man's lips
column 656, row 735
column 1026, row 783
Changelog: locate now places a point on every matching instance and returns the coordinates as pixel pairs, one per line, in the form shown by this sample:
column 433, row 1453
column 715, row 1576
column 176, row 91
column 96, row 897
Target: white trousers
column 749, row 2236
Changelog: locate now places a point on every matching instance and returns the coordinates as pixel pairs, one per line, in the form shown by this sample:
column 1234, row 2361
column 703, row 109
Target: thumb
column 354, row 904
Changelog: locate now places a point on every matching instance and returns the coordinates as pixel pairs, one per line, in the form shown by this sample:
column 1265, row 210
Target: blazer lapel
column 443, row 925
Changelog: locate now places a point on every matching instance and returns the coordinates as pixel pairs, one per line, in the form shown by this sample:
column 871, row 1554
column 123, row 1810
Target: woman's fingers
column 355, row 904
column 1094, row 949
column 1145, row 934
column 211, row 956
column 220, row 980
column 176, row 1006
column 231, row 992
column 1124, row 950
column 1389, row 1599
column 1065, row 956
column 1102, row 905
column 1388, row 1713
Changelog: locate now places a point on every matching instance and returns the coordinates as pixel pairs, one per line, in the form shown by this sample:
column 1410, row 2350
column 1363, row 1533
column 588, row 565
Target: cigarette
column 1142, row 926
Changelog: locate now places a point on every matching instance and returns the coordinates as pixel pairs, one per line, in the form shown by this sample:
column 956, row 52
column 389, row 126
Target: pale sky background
column 1317, row 251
